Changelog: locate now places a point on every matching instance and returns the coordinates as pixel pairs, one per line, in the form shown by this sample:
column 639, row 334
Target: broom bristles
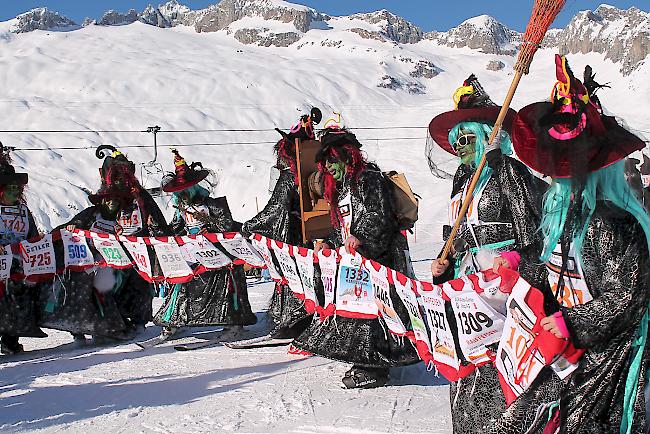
column 543, row 15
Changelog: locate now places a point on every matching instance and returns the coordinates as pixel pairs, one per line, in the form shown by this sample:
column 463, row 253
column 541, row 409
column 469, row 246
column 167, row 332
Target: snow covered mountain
column 482, row 33
column 253, row 65
column 621, row 35
column 42, row 19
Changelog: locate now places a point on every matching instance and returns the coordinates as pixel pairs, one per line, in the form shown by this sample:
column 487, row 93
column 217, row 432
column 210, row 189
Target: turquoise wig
column 482, row 133
column 607, row 184
column 194, row 191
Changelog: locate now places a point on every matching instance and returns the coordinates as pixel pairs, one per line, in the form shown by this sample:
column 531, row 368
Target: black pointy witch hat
column 111, row 156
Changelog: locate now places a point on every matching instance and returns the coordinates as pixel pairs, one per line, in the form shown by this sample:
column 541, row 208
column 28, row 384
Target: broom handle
column 479, row 169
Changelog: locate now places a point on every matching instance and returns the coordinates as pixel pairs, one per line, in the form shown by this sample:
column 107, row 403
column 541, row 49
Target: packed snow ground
column 58, row 387
column 131, row 77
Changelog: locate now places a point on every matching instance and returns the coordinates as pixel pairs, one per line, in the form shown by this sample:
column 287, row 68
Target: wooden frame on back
column 314, row 213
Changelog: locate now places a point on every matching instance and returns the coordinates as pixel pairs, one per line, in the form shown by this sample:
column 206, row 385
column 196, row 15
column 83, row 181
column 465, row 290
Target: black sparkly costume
column 617, row 272
column 71, row 303
column 512, row 198
column 365, row 342
column 280, row 221
column 216, row 297
column 18, row 310
column 134, row 296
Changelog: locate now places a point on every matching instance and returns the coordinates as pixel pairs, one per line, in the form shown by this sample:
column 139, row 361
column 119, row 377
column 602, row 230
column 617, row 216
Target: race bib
column 38, row 259
column 6, row 258
column 102, row 226
column 305, row 262
column 288, row 267
column 192, row 216
column 457, row 202
column 478, row 324
column 201, row 250
column 172, row 264
column 517, row 367
column 345, row 207
column 14, row 224
column 240, row 248
column 261, row 244
column 140, row 254
column 355, row 296
column 76, row 253
column 406, row 293
column 130, row 221
column 442, row 339
column 111, row 251
column 381, row 286
column 573, row 289
column 328, row 268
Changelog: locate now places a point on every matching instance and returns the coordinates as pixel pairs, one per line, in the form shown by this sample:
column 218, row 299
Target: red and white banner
column 76, row 252
column 305, row 262
column 111, row 251
column 328, row 263
column 472, row 314
column 39, row 262
column 355, row 295
column 239, row 247
column 381, row 285
column 140, row 254
column 261, row 244
column 198, row 249
column 406, row 291
column 284, row 255
column 170, row 258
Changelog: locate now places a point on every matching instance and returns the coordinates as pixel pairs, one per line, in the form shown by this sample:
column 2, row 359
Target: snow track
column 120, row 389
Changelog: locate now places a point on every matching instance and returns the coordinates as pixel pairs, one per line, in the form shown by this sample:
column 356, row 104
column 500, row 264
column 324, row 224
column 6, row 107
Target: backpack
column 404, row 200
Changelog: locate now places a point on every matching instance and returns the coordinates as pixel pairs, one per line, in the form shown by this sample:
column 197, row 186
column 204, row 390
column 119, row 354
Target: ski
column 259, row 342
column 196, row 345
column 157, row 340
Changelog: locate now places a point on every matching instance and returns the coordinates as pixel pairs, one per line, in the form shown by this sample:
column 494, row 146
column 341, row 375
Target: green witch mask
column 465, row 147
column 336, row 169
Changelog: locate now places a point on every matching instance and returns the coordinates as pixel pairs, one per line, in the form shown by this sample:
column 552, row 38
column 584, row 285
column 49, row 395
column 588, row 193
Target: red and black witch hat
column 110, row 192
column 473, row 104
column 336, row 138
column 8, row 174
column 184, row 176
column 569, row 135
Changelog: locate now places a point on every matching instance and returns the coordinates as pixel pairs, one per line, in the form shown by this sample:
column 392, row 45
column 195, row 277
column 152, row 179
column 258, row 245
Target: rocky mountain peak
column 221, row 15
column 393, row 28
column 621, row 35
column 480, row 33
column 42, row 19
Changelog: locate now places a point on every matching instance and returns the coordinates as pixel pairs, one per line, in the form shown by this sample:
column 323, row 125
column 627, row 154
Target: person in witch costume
column 83, row 303
column 596, row 234
column 17, row 299
column 499, row 230
column 217, row 297
column 364, row 220
column 141, row 217
column 280, row 221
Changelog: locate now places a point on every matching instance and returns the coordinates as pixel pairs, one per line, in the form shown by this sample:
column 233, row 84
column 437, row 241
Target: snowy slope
column 131, row 77
column 120, row 389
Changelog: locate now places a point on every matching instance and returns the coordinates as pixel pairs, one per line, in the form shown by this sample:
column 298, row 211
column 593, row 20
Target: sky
column 427, row 14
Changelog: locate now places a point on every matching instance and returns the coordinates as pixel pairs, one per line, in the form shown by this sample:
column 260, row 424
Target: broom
column 543, row 15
